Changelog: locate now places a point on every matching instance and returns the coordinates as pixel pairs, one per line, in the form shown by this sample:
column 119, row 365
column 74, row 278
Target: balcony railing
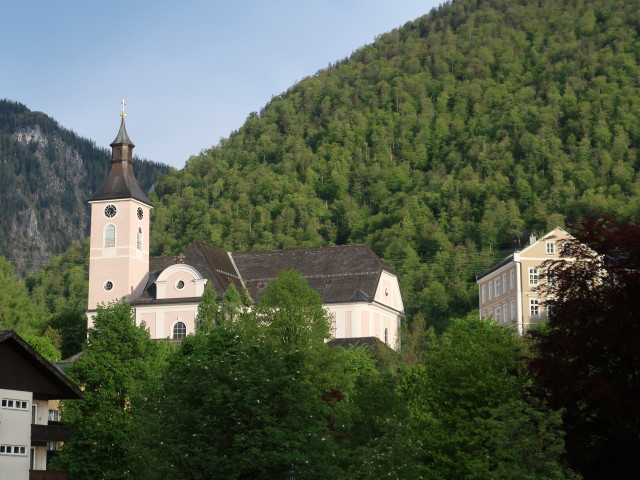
column 41, row 434
column 48, row 475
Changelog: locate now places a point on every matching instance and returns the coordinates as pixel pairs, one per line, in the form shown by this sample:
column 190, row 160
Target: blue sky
column 190, row 70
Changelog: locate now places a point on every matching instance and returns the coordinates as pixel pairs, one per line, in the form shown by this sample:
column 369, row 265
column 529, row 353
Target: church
column 358, row 290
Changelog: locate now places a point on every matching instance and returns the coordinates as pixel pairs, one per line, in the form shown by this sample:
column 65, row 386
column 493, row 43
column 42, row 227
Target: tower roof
column 122, row 138
column 121, row 182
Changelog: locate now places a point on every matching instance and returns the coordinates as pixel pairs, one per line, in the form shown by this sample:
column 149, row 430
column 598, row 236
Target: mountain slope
column 443, row 145
column 46, row 175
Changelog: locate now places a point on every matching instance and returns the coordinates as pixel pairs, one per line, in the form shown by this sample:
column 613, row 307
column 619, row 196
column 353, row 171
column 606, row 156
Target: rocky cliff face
column 46, row 175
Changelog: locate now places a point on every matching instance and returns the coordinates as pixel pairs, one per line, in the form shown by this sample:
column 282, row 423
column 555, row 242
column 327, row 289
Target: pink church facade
column 359, row 291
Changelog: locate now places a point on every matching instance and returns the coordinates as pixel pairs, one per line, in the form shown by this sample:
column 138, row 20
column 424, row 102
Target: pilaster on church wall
column 159, row 319
column 353, row 320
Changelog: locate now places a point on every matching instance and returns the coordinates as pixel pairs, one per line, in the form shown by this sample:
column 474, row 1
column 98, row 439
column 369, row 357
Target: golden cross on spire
column 123, row 104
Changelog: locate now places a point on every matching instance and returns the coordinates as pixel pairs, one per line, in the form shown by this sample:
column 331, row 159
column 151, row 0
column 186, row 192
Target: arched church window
column 139, row 238
column 179, row 330
column 110, row 236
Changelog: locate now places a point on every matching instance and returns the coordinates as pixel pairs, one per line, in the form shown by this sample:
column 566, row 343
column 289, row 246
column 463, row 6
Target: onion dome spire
column 121, row 182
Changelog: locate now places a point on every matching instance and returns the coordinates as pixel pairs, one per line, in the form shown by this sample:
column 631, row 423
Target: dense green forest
column 442, row 145
column 46, row 174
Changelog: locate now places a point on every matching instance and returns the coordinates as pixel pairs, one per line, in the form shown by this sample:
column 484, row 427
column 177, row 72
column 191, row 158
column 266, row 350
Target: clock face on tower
column 140, row 213
column 110, row 211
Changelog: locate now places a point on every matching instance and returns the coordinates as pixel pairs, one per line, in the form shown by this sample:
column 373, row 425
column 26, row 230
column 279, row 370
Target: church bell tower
column 119, row 245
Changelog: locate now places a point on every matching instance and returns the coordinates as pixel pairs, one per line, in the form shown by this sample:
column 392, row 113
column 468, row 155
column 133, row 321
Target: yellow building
column 508, row 290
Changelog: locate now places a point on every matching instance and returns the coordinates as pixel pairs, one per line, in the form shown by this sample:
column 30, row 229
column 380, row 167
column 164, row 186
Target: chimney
column 532, row 239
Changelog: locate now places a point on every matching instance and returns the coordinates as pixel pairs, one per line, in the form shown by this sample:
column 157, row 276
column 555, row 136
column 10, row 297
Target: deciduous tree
column 588, row 357
column 118, row 364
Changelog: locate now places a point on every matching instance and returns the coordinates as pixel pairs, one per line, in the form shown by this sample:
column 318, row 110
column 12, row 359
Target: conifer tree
column 207, row 315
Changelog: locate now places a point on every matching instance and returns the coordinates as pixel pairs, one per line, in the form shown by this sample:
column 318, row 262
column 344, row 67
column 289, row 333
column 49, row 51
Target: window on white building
column 533, row 276
column 13, row 450
column 513, row 309
column 498, row 287
column 498, row 315
column 179, row 330
column 490, row 290
column 110, row 236
column 512, row 277
column 534, row 307
column 504, row 282
column 15, row 404
column 551, row 248
column 139, row 238
column 483, row 291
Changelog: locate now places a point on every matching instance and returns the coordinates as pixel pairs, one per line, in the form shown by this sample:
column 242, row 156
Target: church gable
column 547, row 246
column 388, row 292
column 179, row 281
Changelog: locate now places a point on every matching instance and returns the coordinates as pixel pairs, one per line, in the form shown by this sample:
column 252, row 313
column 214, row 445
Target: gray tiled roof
column 212, row 262
column 122, row 138
column 339, row 274
column 121, row 183
column 348, row 273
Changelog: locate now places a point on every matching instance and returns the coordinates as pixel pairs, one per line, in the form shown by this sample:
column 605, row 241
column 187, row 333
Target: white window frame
column 498, row 314
column 551, row 248
column 490, row 290
column 533, row 276
column 483, row 291
column 512, row 278
column 173, row 330
column 551, row 277
column 534, row 308
column 498, row 285
column 20, row 450
column 513, row 309
column 109, row 240
column 14, row 404
column 54, row 416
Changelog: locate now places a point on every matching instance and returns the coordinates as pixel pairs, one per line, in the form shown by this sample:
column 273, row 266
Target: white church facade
column 359, row 291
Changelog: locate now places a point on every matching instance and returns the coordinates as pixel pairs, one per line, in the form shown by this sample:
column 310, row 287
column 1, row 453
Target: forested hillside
column 46, row 175
column 443, row 145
